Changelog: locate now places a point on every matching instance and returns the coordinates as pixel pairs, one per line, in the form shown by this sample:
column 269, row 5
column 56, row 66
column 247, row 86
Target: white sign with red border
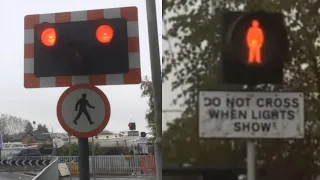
column 83, row 110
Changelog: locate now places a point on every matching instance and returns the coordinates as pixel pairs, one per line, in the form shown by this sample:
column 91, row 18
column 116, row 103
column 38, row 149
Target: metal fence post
column 70, row 167
column 93, row 160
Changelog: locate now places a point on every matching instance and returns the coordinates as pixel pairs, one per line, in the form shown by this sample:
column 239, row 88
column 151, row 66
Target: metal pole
column 84, row 158
column 156, row 81
column 70, row 167
column 93, row 160
column 34, row 130
column 251, row 161
column 1, row 145
column 134, row 152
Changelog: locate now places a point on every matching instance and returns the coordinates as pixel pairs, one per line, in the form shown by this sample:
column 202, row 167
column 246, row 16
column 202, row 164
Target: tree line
column 10, row 125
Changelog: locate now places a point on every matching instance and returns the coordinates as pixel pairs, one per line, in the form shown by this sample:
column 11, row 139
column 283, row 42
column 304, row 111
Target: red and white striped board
column 132, row 77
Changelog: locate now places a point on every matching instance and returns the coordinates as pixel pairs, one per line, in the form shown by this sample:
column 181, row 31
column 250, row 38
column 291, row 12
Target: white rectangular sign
column 230, row 114
column 63, row 169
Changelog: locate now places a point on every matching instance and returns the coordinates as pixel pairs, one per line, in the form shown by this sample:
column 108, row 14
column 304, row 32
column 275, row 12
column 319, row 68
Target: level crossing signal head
column 93, row 47
column 254, row 47
column 143, row 134
column 132, row 126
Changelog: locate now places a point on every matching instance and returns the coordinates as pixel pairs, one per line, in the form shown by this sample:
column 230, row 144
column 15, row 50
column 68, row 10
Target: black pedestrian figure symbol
column 83, row 103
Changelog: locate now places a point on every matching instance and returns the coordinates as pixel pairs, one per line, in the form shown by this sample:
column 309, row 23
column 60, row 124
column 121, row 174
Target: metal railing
column 106, row 165
column 102, row 165
column 49, row 172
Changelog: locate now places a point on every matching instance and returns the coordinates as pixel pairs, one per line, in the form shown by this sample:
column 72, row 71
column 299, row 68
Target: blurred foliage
column 147, row 91
column 64, row 150
column 191, row 62
column 28, row 127
column 12, row 125
column 42, row 128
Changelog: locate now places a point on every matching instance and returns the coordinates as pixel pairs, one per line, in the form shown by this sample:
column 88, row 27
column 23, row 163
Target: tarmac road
column 14, row 176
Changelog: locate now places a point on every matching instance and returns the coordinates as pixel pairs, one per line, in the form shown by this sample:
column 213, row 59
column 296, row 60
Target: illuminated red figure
column 255, row 41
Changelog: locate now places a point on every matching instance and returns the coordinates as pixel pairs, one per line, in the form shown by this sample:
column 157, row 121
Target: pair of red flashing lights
column 104, row 34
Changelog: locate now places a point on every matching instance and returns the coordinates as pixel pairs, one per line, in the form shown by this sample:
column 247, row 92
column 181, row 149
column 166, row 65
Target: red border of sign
column 100, row 127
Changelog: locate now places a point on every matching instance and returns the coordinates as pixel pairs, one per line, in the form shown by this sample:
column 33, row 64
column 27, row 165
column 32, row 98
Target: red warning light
column 48, row 37
column 255, row 40
column 104, row 33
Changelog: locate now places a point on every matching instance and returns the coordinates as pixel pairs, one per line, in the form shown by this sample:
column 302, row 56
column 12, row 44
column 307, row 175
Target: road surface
column 14, row 176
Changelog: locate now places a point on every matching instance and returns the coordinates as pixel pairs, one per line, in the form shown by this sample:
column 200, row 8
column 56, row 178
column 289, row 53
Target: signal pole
column 84, row 158
column 251, row 160
column 156, row 81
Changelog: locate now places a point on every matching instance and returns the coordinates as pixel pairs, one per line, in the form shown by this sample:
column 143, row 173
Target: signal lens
column 48, row 37
column 255, row 40
column 104, row 33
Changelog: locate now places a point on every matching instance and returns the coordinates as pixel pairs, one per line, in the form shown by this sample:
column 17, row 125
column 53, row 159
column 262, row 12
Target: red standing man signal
column 255, row 39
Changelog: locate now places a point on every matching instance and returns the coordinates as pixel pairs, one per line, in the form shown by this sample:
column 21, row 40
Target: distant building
column 27, row 138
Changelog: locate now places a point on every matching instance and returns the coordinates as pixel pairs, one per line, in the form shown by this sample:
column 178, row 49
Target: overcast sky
column 40, row 104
